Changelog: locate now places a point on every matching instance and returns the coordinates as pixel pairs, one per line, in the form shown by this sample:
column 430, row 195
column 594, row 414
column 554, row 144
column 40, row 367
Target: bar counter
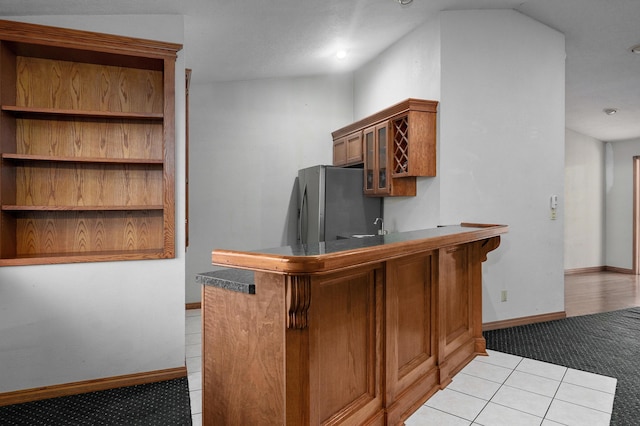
column 359, row 331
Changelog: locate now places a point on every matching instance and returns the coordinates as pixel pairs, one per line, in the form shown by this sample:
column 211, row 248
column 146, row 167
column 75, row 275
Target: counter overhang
column 329, row 256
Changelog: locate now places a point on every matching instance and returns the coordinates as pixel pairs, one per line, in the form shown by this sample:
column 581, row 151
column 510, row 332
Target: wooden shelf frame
column 26, row 208
column 87, row 146
column 51, row 158
column 34, row 111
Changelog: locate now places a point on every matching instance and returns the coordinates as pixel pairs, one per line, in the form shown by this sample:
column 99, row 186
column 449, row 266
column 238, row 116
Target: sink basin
column 362, row 236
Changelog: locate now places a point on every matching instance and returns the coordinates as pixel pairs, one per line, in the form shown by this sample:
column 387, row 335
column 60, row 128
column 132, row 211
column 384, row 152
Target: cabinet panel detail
column 354, row 148
column 411, row 329
column 457, row 292
column 346, row 336
column 340, row 152
column 250, row 390
column 414, row 313
column 347, row 151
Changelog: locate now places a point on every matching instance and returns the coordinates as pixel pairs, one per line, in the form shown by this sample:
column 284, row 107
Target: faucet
column 381, row 231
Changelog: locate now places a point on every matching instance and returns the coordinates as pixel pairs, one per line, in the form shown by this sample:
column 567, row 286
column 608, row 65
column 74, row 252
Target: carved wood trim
column 386, row 114
column 487, row 246
column 298, row 294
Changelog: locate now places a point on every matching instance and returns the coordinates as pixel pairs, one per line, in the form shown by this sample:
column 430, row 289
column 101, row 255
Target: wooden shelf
column 54, row 112
column 87, row 137
column 80, row 257
column 16, row 208
column 29, row 157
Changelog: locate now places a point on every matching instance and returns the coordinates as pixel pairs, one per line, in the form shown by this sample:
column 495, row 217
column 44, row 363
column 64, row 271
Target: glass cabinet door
column 381, row 133
column 370, row 156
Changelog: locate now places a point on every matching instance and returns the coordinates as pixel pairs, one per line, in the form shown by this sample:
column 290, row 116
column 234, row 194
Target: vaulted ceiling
column 252, row 39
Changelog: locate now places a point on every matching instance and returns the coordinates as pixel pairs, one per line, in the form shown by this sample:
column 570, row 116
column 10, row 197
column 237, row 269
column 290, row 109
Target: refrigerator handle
column 300, row 213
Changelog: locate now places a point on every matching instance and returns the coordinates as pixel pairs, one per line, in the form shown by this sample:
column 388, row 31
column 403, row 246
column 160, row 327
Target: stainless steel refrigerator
column 331, row 205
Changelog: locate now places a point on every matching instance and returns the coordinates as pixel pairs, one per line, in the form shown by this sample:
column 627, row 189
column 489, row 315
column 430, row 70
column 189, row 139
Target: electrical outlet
column 503, row 296
column 553, row 204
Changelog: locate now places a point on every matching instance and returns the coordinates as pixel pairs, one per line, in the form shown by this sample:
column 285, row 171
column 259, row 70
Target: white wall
column 584, row 201
column 409, row 69
column 75, row 322
column 619, row 202
column 501, row 143
column 247, row 141
column 502, row 153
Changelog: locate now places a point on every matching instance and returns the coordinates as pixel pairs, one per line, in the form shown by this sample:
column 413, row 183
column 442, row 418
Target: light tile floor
column 499, row 389
column 193, row 352
column 503, row 389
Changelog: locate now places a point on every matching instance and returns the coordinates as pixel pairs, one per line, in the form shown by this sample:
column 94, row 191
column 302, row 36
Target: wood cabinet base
column 363, row 344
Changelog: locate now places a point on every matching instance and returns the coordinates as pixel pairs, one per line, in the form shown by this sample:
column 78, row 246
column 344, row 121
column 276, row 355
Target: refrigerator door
column 311, row 205
column 347, row 210
column 332, row 205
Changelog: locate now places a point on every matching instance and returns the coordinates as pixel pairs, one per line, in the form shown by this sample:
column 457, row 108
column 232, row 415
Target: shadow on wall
column 290, row 233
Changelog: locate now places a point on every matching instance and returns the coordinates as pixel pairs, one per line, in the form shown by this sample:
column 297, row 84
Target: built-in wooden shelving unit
column 87, row 128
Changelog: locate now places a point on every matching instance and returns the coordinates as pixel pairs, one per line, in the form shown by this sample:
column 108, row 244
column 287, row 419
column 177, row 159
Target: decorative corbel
column 298, row 295
column 488, row 245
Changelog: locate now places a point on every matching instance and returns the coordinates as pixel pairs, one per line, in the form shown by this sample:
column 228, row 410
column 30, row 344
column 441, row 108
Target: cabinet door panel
column 354, row 148
column 339, row 152
column 456, row 302
column 369, row 161
column 460, row 301
column 411, row 339
column 345, row 338
column 382, row 158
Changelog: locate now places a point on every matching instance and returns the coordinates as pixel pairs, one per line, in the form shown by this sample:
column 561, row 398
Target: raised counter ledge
column 331, row 255
column 239, row 280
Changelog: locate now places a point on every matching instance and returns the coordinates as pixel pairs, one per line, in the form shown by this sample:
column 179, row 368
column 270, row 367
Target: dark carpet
column 606, row 344
column 163, row 404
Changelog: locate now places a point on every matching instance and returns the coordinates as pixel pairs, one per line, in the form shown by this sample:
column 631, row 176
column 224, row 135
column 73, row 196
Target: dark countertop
column 331, row 255
column 240, row 280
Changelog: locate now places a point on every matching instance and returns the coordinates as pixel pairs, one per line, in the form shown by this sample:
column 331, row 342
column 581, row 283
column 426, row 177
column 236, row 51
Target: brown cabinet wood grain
column 398, row 145
column 411, row 330
column 378, row 179
column 355, row 336
column 347, row 150
column 87, row 146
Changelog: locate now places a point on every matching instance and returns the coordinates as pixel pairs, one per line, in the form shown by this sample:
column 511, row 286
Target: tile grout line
column 497, row 390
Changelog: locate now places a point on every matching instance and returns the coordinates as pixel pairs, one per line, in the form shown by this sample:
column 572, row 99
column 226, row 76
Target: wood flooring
column 595, row 292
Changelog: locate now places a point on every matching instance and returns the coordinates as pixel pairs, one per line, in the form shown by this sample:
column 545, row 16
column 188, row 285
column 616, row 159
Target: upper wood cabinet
column 378, row 179
column 347, row 150
column 398, row 143
column 87, row 128
column 412, row 138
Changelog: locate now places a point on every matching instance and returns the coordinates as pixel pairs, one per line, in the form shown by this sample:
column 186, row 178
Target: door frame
column 636, row 215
